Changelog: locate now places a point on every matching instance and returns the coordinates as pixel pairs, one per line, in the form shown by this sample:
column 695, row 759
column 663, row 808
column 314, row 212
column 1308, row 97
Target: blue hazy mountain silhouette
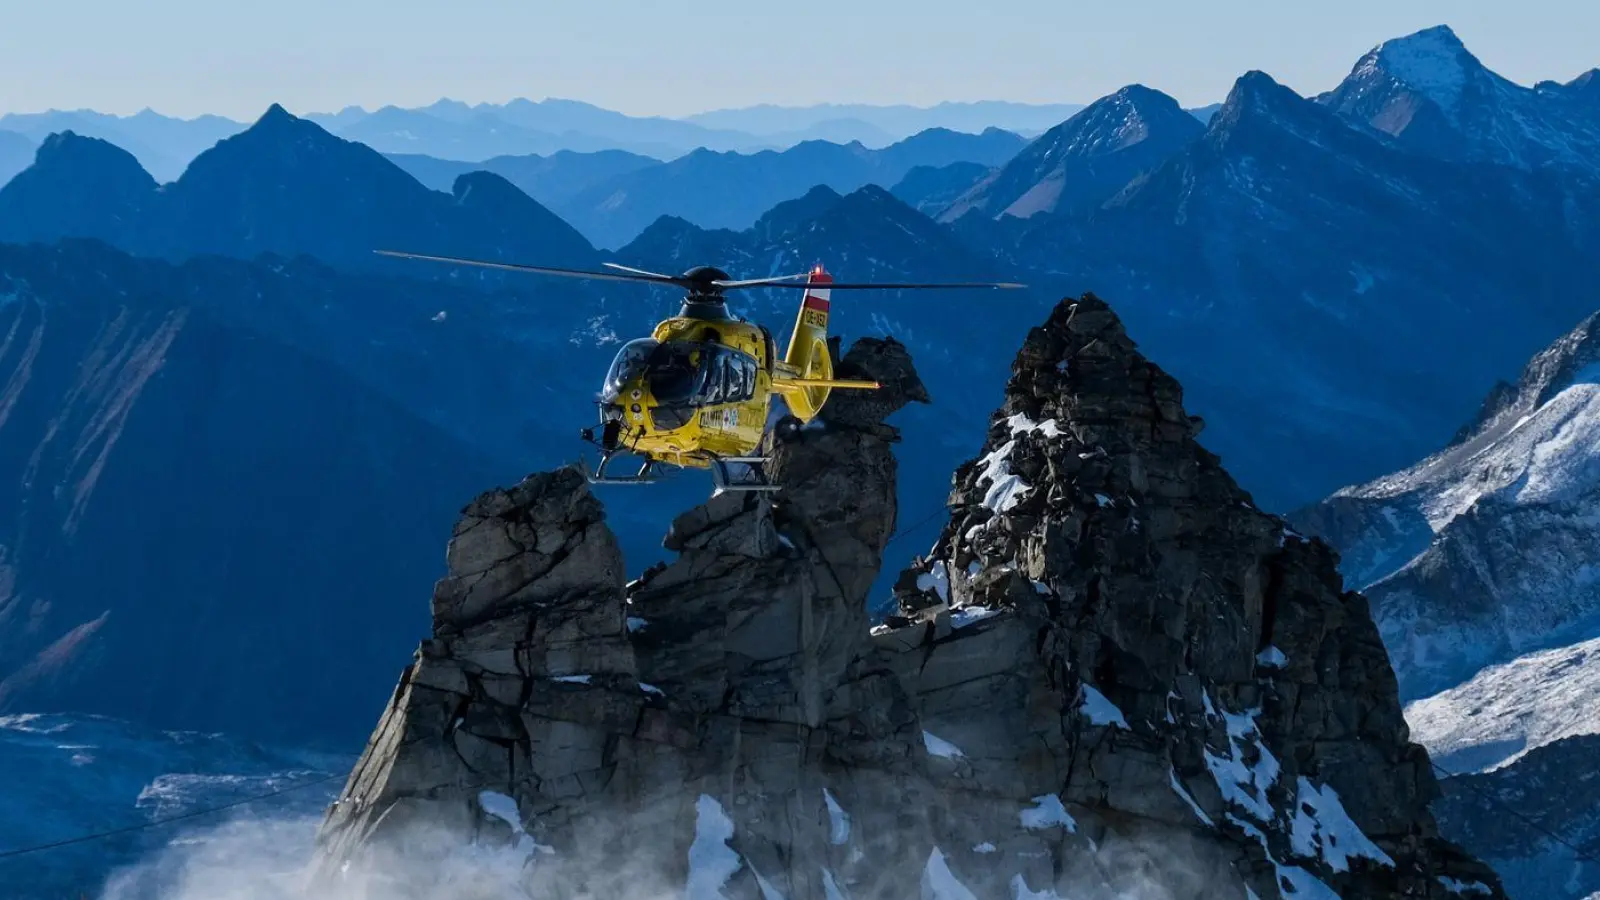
column 730, row 190
column 894, row 119
column 551, row 180
column 78, row 187
column 162, row 144
column 16, row 154
column 283, row 186
column 611, row 196
column 931, row 189
column 449, row 129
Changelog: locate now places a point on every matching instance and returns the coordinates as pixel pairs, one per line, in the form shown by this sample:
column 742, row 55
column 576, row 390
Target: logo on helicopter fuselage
column 727, row 417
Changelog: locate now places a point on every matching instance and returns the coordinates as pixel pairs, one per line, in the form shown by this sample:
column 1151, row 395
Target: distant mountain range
column 452, row 130
column 895, row 120
column 163, row 145
column 284, row 186
column 612, row 196
column 1261, row 258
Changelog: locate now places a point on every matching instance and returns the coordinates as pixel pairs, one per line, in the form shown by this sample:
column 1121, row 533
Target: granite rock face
column 1113, row 678
column 1108, row 618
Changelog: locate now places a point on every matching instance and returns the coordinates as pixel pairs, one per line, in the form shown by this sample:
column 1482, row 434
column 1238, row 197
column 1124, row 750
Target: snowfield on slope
column 1546, row 457
column 1508, row 710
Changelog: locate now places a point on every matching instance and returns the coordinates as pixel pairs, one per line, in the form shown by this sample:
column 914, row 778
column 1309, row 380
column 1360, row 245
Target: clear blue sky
column 185, row 57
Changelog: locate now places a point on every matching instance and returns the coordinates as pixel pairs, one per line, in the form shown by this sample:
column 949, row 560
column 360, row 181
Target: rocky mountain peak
column 1432, row 62
column 1549, row 372
column 89, row 157
column 277, row 141
column 1098, row 534
column 77, row 187
column 791, row 214
column 1586, row 86
column 1122, row 675
column 1085, row 159
column 1256, row 92
column 276, row 117
column 1429, row 91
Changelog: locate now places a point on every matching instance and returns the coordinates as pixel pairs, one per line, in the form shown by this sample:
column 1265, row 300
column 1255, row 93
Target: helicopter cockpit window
column 630, row 362
column 683, row 373
column 678, row 373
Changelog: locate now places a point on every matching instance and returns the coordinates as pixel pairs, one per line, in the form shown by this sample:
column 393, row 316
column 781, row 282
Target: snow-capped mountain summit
column 1488, row 549
column 1429, row 92
column 1432, row 62
column 1085, row 159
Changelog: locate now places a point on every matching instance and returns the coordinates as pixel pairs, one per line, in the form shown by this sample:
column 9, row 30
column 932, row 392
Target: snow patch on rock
column 936, row 579
column 938, row 746
column 1321, row 827
column 1099, row 709
column 1047, row 812
column 838, row 820
column 711, row 861
column 1244, row 783
column 939, row 883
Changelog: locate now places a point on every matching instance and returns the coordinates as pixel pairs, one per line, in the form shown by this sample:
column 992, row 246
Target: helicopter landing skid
column 645, row 475
column 757, row 466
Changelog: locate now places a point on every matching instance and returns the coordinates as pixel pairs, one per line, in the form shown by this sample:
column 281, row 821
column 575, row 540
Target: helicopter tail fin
column 807, row 357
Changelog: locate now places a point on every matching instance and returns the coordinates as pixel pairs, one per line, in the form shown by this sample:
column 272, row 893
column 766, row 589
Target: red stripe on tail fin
column 817, row 298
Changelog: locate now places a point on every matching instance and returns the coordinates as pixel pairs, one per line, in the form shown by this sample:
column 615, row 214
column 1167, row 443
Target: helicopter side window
column 721, row 384
column 736, row 373
column 747, row 376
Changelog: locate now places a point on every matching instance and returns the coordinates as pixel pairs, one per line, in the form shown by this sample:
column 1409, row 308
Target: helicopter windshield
column 675, row 372
column 630, row 362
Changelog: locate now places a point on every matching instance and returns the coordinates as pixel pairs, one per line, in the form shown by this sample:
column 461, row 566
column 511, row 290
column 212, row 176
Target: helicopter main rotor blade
column 891, row 286
column 760, row 282
column 632, row 270
column 542, row 270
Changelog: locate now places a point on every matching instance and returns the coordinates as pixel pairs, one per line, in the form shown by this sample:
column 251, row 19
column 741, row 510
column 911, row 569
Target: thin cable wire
column 157, row 823
column 941, row 508
column 1578, row 854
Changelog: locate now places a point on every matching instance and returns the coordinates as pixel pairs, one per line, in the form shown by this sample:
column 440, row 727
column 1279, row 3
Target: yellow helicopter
column 697, row 392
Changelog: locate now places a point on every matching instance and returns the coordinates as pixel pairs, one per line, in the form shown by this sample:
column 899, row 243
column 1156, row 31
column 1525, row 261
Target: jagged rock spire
column 1213, row 673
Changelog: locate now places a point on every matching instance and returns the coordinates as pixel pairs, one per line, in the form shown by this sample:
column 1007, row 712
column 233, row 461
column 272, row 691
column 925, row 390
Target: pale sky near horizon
column 187, row 57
